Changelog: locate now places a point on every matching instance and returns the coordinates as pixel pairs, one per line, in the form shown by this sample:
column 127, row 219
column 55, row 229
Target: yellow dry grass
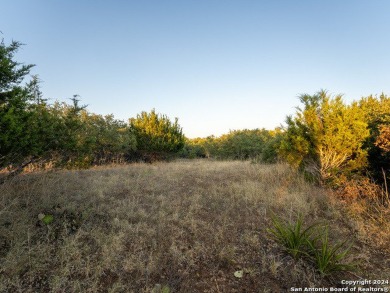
column 184, row 225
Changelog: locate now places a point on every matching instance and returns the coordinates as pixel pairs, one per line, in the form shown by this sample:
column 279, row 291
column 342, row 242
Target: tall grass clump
column 308, row 243
column 329, row 259
column 292, row 236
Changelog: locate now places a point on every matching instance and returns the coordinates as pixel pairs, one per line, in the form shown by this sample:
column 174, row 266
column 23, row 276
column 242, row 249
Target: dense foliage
column 254, row 144
column 325, row 138
column 377, row 117
column 156, row 133
column 344, row 145
column 15, row 106
column 32, row 130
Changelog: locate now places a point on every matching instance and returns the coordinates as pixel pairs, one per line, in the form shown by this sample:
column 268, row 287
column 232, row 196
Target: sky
column 216, row 65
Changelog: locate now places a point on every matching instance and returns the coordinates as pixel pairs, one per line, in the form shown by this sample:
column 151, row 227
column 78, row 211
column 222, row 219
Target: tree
column 272, row 145
column 104, row 138
column 325, row 138
column 157, row 133
column 12, row 73
column 377, row 115
column 14, row 105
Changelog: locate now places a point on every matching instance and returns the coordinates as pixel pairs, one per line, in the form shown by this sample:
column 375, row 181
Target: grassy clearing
column 184, row 226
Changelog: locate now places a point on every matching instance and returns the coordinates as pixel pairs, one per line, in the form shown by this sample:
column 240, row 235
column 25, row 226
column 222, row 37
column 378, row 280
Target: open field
column 186, row 225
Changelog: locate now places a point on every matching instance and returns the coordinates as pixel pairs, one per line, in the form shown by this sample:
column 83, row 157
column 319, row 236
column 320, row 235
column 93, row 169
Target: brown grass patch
column 186, row 225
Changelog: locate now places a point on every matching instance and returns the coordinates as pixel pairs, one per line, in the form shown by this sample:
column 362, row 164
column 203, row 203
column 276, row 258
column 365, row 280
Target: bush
column 377, row 145
column 156, row 133
column 325, row 138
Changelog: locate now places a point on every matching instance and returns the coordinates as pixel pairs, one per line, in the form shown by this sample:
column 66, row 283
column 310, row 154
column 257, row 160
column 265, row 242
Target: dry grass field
column 183, row 226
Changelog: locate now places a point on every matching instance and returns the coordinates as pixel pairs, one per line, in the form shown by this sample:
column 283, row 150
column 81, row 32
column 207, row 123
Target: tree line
column 248, row 144
column 330, row 141
column 67, row 134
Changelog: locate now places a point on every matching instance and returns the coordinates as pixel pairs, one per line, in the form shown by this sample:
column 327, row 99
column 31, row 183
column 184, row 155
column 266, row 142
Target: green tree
column 193, row 148
column 85, row 138
column 325, row 138
column 157, row 133
column 104, row 138
column 14, row 105
column 270, row 152
column 12, row 73
column 377, row 116
column 242, row 144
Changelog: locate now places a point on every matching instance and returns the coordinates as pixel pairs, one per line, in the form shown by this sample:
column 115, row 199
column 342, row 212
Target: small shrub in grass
column 307, row 242
column 292, row 236
column 328, row 259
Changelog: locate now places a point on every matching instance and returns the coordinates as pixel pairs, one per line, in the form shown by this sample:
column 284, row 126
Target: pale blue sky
column 216, row 65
